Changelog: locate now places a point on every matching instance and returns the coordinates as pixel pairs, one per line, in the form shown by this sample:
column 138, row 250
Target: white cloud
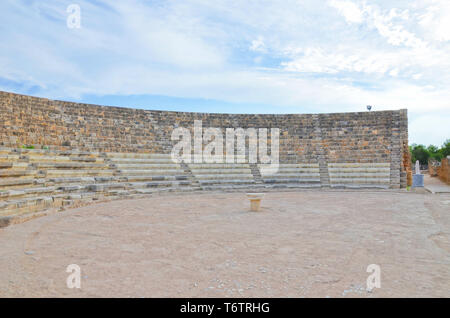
column 258, row 45
column 303, row 56
column 394, row 72
column 381, row 20
column 317, row 60
column 351, row 11
column 394, row 33
column 436, row 20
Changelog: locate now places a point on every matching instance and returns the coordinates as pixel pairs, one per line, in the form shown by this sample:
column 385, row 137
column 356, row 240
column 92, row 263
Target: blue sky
column 237, row 56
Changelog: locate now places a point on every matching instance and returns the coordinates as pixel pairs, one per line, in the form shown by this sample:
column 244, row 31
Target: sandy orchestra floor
column 302, row 244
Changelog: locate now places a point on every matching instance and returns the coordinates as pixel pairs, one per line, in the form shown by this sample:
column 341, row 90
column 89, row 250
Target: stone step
column 72, row 180
column 26, row 205
column 92, row 188
column 149, row 172
column 9, row 183
column 137, row 161
column 78, row 196
column 359, row 180
column 222, row 171
column 154, row 190
column 78, row 173
column 5, row 150
column 291, row 180
column 137, row 155
column 236, row 159
column 106, row 186
column 360, row 186
column 359, row 165
column 107, row 179
column 222, row 176
column 24, row 151
column 66, row 188
column 197, row 166
column 21, row 166
column 151, row 177
column 55, row 159
column 118, row 192
column 88, row 159
column 296, row 165
column 224, row 187
column 226, row 181
column 140, row 161
column 4, row 173
column 291, row 175
column 360, row 175
column 297, row 170
column 25, row 192
column 70, row 165
column 293, row 185
column 157, row 184
column 354, row 170
column 145, row 191
column 62, row 159
column 154, row 166
column 47, row 152
column 6, row 165
column 9, row 157
column 191, row 187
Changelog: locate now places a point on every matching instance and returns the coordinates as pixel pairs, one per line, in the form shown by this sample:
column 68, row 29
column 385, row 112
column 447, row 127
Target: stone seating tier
column 293, row 176
column 35, row 180
column 359, row 175
column 225, row 176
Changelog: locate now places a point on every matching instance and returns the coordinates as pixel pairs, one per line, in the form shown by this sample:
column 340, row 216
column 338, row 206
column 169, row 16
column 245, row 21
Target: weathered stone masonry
column 362, row 137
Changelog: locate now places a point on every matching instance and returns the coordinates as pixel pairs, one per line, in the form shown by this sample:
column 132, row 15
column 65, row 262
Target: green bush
column 419, row 152
column 435, row 152
column 445, row 150
column 422, row 153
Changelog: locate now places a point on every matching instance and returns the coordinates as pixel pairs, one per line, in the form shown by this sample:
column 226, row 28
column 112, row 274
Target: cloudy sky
column 299, row 56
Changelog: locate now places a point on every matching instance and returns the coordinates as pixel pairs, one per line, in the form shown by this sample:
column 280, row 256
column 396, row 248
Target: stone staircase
column 256, row 173
column 359, row 175
column 194, row 182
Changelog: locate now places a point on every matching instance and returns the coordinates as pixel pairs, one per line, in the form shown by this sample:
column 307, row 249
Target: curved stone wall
column 315, row 150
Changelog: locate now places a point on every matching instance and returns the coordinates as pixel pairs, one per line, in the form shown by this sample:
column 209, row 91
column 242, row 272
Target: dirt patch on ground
column 302, row 244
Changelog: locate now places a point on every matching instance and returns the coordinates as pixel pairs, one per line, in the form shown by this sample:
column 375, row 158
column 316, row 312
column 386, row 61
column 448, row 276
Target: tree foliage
column 422, row 153
column 446, row 149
